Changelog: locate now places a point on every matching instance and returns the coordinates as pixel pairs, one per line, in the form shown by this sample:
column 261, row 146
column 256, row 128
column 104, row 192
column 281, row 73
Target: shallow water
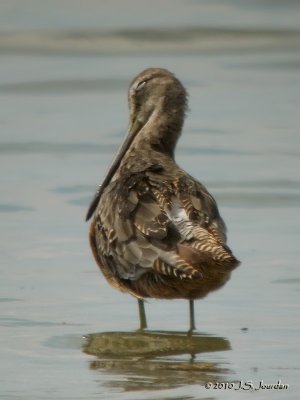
column 63, row 81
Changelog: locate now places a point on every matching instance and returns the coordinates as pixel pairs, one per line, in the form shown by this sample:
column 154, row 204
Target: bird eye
column 140, row 85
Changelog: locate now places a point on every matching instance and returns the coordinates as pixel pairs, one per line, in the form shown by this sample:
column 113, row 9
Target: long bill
column 134, row 127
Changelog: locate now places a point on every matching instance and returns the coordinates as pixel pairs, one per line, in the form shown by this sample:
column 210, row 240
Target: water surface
column 65, row 69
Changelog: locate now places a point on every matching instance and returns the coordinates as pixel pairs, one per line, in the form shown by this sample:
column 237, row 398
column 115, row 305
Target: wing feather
column 171, row 227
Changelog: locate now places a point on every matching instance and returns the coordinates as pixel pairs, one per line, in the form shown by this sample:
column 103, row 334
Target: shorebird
column 156, row 231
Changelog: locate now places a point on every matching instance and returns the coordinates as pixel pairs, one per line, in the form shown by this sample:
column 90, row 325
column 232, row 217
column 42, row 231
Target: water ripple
column 10, row 208
column 64, row 86
column 36, row 147
column 147, row 40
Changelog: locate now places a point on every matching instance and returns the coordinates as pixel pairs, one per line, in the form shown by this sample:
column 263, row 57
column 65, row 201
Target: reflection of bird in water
column 156, row 231
column 149, row 360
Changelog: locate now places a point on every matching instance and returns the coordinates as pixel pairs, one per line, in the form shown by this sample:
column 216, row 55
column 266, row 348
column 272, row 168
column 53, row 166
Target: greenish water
column 64, row 71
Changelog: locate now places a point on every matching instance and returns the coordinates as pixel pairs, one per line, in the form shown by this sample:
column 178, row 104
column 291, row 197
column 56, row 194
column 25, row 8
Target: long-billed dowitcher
column 156, row 231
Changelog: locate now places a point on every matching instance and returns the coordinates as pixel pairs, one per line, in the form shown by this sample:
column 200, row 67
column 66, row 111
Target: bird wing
column 170, row 227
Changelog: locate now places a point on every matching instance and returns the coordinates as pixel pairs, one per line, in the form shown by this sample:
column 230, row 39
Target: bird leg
column 192, row 317
column 142, row 314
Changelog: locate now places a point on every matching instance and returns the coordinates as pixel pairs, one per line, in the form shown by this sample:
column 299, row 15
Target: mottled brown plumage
column 156, row 231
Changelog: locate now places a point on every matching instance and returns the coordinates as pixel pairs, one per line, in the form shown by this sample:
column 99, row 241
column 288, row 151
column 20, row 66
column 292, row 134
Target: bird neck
column 161, row 132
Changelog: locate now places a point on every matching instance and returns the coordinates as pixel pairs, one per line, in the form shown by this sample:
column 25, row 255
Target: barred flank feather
column 180, row 270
